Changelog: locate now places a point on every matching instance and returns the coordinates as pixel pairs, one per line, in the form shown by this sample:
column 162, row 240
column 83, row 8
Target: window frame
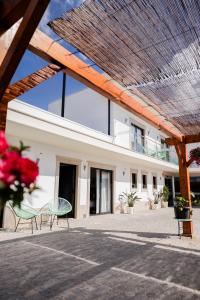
column 133, row 142
column 136, row 180
column 155, row 187
column 144, row 187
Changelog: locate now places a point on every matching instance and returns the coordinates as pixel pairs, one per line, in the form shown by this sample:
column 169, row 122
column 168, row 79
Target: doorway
column 168, row 183
column 100, row 191
column 67, row 185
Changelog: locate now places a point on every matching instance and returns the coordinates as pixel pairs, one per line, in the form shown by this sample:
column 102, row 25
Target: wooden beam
column 10, row 12
column 172, row 141
column 181, row 150
column 24, row 85
column 52, row 51
column 190, row 139
column 3, row 114
column 20, row 41
column 187, row 139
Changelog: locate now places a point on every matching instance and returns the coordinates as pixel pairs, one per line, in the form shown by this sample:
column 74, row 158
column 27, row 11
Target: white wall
column 48, row 156
column 91, row 109
column 85, row 107
column 121, row 122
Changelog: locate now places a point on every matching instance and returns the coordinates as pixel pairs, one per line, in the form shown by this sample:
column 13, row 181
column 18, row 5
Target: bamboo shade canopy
column 150, row 47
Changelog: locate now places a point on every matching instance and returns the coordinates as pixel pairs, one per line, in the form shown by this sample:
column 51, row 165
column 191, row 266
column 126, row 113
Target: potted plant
column 195, row 155
column 130, row 199
column 156, row 200
column 181, row 208
column 164, row 197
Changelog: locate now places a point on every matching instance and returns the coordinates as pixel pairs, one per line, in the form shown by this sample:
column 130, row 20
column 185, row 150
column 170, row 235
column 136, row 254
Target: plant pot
column 130, row 210
column 164, row 204
column 182, row 214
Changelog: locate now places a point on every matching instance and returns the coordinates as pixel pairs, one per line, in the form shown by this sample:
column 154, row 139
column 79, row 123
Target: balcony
column 152, row 148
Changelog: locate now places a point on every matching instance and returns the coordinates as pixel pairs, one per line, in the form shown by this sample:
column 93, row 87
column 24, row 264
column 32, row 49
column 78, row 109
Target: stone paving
column 103, row 257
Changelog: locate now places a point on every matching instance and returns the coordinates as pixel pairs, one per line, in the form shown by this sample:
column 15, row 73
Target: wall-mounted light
column 84, row 167
column 38, row 159
column 123, row 173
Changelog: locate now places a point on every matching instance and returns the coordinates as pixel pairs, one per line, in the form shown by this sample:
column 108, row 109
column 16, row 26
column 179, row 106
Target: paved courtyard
column 103, row 257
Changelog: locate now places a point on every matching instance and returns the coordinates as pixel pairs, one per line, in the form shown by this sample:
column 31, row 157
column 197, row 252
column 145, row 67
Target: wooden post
column 184, row 182
column 3, row 114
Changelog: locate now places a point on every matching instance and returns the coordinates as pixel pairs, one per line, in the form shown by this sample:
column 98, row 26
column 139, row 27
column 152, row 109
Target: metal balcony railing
column 150, row 147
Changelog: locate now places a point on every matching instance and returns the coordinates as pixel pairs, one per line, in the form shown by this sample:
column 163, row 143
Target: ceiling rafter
column 31, row 18
column 24, row 85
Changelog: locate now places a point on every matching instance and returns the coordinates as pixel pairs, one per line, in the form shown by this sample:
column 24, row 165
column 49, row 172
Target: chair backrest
column 22, row 212
column 61, row 206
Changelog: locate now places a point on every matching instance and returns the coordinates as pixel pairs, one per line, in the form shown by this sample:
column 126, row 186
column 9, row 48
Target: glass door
column 100, row 191
column 105, row 192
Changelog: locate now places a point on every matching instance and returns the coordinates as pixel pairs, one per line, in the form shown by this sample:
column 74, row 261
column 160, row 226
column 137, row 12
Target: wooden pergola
column 122, row 39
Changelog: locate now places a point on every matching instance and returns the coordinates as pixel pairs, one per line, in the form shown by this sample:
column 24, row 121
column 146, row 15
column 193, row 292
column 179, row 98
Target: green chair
column 25, row 213
column 57, row 209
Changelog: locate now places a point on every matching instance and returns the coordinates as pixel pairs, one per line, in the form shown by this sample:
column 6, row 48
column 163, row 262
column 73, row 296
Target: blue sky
column 50, row 90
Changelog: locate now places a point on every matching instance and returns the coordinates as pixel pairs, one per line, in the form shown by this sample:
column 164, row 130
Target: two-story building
column 92, row 153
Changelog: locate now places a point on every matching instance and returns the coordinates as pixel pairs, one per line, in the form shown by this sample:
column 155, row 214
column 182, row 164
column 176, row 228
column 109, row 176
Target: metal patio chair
column 56, row 209
column 25, row 212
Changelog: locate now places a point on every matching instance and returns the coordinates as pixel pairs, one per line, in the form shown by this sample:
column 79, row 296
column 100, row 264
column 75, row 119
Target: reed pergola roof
column 150, row 47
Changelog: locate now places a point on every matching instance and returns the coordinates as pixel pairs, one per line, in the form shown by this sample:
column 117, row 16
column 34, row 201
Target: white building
column 95, row 153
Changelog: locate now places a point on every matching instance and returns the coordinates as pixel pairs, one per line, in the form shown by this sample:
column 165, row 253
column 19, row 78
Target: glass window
column 137, row 138
column 165, row 148
column 85, row 106
column 46, row 95
column 154, row 182
column 134, row 180
column 144, row 181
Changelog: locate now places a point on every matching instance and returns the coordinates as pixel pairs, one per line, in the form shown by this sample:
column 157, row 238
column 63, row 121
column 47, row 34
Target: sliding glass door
column 100, row 191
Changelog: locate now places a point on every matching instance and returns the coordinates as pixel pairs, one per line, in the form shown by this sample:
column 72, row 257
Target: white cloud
column 55, row 9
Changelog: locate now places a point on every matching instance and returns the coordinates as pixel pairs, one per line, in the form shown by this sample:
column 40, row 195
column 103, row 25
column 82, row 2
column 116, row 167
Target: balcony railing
column 150, row 147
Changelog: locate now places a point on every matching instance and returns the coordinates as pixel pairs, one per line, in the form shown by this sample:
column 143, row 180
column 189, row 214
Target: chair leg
column 17, row 224
column 32, row 225
column 51, row 222
column 68, row 223
column 40, row 221
column 36, row 224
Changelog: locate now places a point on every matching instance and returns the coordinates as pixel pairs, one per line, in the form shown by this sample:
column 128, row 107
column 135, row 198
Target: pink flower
column 9, row 167
column 28, row 171
column 3, row 143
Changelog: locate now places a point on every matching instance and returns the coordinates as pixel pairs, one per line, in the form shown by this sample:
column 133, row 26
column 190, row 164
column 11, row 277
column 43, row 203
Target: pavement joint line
column 127, row 241
column 177, row 250
column 64, row 253
column 164, row 282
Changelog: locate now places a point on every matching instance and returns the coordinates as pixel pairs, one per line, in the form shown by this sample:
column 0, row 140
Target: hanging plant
column 195, row 155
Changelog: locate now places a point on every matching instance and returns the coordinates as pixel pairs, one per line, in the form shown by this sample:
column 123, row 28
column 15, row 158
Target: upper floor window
column 155, row 182
column 134, row 180
column 144, row 181
column 137, row 138
column 165, row 148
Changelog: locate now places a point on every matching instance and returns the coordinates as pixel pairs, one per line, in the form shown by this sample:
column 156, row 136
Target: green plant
column 130, row 198
column 165, row 193
column 181, row 203
column 156, row 198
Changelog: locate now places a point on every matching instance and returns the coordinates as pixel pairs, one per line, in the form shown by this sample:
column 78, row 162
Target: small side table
column 180, row 225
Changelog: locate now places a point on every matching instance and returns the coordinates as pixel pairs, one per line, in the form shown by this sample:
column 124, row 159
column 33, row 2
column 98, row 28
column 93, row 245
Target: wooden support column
column 3, row 114
column 181, row 150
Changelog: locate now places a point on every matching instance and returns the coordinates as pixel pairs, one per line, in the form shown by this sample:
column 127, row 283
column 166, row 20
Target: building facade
column 90, row 151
